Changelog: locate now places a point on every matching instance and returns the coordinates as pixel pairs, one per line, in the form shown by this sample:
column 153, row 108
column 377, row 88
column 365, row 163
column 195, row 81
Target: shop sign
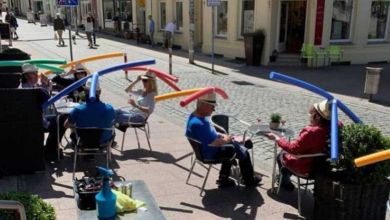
column 213, row 2
column 68, row 3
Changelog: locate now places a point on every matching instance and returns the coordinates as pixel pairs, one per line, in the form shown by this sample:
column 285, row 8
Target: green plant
column 275, row 117
column 358, row 140
column 36, row 208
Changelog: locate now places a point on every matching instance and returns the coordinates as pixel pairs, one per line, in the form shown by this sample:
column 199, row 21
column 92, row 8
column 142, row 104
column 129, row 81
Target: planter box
column 335, row 200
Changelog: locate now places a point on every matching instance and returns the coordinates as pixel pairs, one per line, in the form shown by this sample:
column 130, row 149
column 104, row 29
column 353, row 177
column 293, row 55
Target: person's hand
column 272, row 136
column 44, row 80
column 132, row 103
column 139, row 78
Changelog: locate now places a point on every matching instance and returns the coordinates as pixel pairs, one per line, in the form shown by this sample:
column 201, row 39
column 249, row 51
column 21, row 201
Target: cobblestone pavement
column 249, row 97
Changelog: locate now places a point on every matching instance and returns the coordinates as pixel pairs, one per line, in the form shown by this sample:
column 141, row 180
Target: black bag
column 85, row 190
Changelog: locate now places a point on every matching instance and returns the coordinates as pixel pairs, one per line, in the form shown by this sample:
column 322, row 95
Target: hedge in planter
column 36, row 208
column 347, row 192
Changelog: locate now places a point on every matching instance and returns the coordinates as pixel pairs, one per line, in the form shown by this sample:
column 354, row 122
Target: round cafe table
column 258, row 129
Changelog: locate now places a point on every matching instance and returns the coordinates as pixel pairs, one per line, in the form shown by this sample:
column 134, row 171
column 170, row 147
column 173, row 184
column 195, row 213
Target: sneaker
column 225, row 182
column 254, row 182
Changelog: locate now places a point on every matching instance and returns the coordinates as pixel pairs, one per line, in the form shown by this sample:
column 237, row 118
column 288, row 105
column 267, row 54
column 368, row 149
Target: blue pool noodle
column 300, row 83
column 334, row 136
column 92, row 90
column 82, row 81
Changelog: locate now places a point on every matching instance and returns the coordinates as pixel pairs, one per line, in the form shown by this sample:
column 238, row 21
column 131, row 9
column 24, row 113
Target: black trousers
column 51, row 146
column 282, row 170
column 244, row 163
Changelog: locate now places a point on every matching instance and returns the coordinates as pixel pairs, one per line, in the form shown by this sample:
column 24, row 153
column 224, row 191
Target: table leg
column 274, row 167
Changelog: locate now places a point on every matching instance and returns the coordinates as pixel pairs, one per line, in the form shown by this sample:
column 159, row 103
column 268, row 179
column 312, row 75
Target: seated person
column 30, row 78
column 312, row 139
column 93, row 114
column 200, row 128
column 143, row 107
column 78, row 72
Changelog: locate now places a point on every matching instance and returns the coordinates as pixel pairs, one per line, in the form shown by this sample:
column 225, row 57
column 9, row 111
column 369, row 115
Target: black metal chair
column 319, row 161
column 197, row 148
column 144, row 126
column 88, row 143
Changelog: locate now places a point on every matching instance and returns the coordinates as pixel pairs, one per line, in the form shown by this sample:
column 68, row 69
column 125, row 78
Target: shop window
column 341, row 20
column 247, row 16
column 163, row 15
column 379, row 20
column 108, row 8
column 125, row 9
column 179, row 15
column 221, row 18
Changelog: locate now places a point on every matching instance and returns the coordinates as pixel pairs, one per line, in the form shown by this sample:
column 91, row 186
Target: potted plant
column 35, row 207
column 275, row 121
column 348, row 192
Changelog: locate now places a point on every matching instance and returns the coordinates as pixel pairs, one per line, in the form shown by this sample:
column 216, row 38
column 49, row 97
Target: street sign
column 68, row 3
column 213, row 2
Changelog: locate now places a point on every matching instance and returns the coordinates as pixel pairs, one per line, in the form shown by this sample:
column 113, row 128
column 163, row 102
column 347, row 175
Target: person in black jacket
column 78, row 72
column 13, row 23
column 59, row 27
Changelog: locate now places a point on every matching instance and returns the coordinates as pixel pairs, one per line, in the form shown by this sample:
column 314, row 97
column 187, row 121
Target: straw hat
column 89, row 83
column 148, row 75
column 323, row 109
column 209, row 98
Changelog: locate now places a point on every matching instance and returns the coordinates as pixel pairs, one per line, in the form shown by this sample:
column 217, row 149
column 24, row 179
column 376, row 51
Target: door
column 292, row 26
column 283, row 26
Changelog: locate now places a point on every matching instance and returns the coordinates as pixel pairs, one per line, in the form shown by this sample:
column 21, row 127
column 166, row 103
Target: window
column 108, row 7
column 179, row 15
column 221, row 18
column 379, row 20
column 125, row 9
column 247, row 15
column 341, row 20
column 163, row 15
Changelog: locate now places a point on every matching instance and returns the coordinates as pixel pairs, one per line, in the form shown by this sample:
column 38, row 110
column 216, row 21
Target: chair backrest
column 9, row 80
column 88, row 138
column 222, row 122
column 196, row 147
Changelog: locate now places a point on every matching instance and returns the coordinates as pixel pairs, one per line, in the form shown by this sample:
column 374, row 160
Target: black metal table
column 140, row 192
column 257, row 129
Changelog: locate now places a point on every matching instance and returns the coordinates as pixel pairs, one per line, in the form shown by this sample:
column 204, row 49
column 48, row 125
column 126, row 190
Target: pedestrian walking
column 168, row 35
column 151, row 30
column 89, row 30
column 59, row 28
column 94, row 29
column 13, row 26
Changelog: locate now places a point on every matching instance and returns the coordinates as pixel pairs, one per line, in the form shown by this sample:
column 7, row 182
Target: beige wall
column 267, row 14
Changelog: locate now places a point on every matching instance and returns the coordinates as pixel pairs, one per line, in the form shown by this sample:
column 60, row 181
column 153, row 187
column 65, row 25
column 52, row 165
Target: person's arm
column 133, row 103
column 304, row 141
column 132, row 84
column 221, row 140
column 62, row 81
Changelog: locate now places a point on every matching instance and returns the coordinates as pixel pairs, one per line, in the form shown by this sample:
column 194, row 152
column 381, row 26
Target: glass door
column 283, row 26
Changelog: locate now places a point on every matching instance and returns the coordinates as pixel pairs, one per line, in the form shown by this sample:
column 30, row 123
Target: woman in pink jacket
column 312, row 139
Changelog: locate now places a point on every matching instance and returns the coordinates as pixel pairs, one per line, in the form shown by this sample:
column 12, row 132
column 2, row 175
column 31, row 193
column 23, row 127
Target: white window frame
column 162, row 27
column 216, row 21
column 239, row 34
column 351, row 26
column 177, row 28
column 387, row 25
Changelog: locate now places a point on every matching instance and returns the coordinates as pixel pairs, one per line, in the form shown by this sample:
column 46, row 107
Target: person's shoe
column 287, row 185
column 254, row 182
column 225, row 182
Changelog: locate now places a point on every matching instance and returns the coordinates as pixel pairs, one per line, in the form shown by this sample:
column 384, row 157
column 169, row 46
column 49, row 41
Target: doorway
column 292, row 26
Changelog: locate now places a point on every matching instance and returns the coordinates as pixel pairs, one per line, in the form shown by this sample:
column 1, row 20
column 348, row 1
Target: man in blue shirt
column 93, row 114
column 151, row 30
column 200, row 128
